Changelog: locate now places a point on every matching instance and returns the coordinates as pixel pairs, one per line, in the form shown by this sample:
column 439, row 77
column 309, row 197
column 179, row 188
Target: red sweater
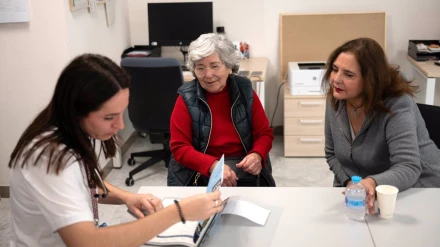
column 224, row 138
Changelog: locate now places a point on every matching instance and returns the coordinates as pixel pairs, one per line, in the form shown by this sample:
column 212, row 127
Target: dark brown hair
column 83, row 87
column 380, row 80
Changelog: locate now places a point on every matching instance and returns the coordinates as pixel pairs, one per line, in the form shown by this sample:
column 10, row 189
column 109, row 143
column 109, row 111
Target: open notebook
column 190, row 234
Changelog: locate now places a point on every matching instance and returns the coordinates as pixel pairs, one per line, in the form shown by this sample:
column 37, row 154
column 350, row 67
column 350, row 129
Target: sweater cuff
column 384, row 178
column 207, row 161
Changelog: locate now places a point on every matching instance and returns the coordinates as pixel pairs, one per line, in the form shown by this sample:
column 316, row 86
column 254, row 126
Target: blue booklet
column 216, row 178
column 214, row 183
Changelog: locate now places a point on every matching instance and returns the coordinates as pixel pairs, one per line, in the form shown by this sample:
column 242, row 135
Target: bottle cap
column 355, row 179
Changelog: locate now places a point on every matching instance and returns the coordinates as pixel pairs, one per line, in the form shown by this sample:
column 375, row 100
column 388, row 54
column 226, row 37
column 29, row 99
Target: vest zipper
column 233, row 124
column 242, row 143
column 207, row 144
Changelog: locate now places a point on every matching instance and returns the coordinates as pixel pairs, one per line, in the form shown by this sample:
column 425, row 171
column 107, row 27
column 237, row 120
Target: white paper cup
column 386, row 200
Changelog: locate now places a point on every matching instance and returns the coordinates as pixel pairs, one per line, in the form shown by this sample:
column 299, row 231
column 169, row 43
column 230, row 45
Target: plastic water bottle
column 355, row 199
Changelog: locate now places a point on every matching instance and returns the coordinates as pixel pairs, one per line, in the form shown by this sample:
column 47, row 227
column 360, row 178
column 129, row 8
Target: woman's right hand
column 229, row 176
column 202, row 206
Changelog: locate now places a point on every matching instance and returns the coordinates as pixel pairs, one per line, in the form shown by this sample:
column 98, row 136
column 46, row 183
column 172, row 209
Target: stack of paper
column 422, row 47
column 434, row 47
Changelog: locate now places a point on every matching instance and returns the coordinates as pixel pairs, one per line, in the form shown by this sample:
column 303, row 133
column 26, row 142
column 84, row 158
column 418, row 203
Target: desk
column 427, row 72
column 416, row 221
column 310, row 216
column 252, row 64
column 315, row 217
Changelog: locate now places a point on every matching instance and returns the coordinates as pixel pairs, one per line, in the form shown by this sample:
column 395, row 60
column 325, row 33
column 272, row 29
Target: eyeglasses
column 200, row 71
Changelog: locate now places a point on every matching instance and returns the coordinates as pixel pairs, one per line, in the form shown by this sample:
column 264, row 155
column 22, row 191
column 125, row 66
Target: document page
column 247, row 210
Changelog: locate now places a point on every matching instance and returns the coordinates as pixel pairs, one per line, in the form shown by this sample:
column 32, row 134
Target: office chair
column 430, row 114
column 153, row 93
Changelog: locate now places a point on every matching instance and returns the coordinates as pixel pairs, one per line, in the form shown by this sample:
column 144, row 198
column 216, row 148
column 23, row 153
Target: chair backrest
column 153, row 91
column 431, row 115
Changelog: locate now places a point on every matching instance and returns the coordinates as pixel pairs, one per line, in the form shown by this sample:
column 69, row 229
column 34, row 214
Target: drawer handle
column 308, row 140
column 305, row 103
column 310, row 121
column 315, row 92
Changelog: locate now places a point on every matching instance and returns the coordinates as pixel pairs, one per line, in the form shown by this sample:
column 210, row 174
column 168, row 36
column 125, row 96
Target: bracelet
column 180, row 211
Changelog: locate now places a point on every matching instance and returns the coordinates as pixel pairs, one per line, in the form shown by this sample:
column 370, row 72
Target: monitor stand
column 184, row 68
column 184, row 50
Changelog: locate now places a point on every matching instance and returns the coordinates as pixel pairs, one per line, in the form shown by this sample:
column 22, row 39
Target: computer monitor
column 177, row 24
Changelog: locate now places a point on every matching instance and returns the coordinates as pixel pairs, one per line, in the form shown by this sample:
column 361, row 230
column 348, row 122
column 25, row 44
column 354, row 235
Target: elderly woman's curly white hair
column 209, row 43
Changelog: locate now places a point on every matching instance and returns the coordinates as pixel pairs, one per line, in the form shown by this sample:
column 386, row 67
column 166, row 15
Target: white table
column 315, row 217
column 416, row 221
column 426, row 75
column 309, row 217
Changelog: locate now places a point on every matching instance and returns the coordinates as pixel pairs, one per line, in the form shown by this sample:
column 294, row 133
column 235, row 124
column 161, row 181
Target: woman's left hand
column 251, row 164
column 370, row 188
column 135, row 203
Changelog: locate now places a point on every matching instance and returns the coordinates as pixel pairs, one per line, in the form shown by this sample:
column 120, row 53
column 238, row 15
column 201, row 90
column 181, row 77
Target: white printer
column 305, row 77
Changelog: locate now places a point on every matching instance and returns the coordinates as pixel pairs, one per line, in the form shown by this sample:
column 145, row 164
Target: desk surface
column 427, row 68
column 315, row 217
column 252, row 64
column 416, row 221
column 310, row 216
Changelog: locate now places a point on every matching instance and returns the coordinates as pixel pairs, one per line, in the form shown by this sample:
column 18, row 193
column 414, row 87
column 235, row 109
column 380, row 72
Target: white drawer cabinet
column 303, row 125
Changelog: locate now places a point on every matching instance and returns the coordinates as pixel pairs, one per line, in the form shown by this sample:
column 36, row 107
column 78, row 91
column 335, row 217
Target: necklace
column 356, row 112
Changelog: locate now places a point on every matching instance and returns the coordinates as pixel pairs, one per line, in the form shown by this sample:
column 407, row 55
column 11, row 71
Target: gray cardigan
column 392, row 148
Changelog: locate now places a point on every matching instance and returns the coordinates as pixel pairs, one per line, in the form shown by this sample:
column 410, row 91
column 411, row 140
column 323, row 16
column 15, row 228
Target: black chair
column 153, row 93
column 431, row 115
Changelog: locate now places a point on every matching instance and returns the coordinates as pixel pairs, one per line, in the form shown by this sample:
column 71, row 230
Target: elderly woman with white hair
column 218, row 113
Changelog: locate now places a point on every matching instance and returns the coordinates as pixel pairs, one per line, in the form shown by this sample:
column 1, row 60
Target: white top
column 42, row 203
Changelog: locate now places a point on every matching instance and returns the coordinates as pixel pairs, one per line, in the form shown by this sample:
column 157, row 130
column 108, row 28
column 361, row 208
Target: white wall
column 258, row 22
column 88, row 33
column 404, row 22
column 232, row 14
column 34, row 53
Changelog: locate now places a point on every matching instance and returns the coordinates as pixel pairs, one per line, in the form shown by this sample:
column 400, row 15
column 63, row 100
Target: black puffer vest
column 241, row 95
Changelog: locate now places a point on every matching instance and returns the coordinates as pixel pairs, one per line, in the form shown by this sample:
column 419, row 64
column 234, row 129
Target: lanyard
column 93, row 192
column 94, row 199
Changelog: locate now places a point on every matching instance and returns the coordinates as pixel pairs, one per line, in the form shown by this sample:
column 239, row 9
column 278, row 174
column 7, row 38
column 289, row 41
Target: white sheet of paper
column 248, row 210
column 14, row 11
